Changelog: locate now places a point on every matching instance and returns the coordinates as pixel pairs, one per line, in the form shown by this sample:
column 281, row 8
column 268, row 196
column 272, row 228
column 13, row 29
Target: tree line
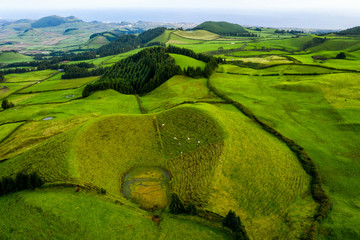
column 21, row 182
column 73, row 71
column 148, row 69
column 288, row 31
column 130, row 42
column 230, row 221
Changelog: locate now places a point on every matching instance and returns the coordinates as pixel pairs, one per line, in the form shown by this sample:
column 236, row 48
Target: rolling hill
column 222, row 28
column 53, row 21
column 350, row 31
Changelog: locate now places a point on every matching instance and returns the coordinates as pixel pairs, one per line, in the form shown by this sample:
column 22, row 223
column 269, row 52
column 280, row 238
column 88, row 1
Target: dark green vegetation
column 21, row 182
column 350, row 31
column 148, row 69
column 223, row 28
column 262, row 146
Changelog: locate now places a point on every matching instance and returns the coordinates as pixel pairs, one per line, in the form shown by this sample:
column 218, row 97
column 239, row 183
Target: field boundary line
column 317, row 191
column 11, row 133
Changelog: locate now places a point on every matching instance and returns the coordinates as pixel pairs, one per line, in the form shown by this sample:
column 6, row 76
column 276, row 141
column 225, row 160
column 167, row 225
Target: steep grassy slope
column 175, row 91
column 12, row 57
column 255, row 166
column 323, row 120
column 63, row 214
column 203, row 148
column 185, row 62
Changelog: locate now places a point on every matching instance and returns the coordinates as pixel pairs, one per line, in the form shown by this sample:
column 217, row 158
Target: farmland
column 235, row 140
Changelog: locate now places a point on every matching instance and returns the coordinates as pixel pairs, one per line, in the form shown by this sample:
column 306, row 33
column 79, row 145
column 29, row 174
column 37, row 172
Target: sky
column 297, row 13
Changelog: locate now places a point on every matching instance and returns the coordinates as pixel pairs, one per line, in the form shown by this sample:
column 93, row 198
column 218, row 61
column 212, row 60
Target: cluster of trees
column 231, row 221
column 73, row 71
column 16, row 70
column 21, row 182
column 341, row 55
column 5, row 104
column 350, row 31
column 51, row 63
column 314, row 42
column 176, row 206
column 139, row 73
column 234, row 223
column 148, row 69
column 1, row 76
column 130, row 42
column 288, row 31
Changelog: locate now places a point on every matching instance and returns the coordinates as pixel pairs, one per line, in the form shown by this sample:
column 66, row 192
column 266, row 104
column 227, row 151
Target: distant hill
column 350, row 31
column 31, row 32
column 53, row 21
column 222, row 28
column 110, row 36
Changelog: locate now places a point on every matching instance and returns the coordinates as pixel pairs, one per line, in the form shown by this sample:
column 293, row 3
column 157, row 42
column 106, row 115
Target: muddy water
column 147, row 186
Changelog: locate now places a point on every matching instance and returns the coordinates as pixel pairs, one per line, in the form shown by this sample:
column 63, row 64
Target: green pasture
column 163, row 38
column 29, row 76
column 61, row 213
column 185, row 61
column 12, row 57
column 197, row 35
column 321, row 114
column 7, row 89
column 175, row 91
column 50, row 85
column 7, row 129
column 46, row 97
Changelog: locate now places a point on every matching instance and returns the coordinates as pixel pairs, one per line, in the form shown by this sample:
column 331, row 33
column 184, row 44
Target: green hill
column 202, row 148
column 222, row 28
column 12, row 57
column 53, row 21
column 350, row 31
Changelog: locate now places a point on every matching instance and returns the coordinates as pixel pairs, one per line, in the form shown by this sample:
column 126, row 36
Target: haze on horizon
column 331, row 14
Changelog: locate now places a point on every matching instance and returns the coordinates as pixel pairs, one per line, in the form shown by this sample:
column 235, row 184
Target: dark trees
column 176, row 206
column 341, row 55
column 21, row 182
column 233, row 222
column 6, row 104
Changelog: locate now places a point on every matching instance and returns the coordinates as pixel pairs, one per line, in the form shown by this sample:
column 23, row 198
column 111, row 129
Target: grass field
column 197, row 35
column 175, row 91
column 61, row 213
column 163, row 38
column 50, row 85
column 8, row 88
column 29, row 76
column 188, row 142
column 46, row 97
column 7, row 129
column 309, row 110
column 12, row 57
column 185, row 62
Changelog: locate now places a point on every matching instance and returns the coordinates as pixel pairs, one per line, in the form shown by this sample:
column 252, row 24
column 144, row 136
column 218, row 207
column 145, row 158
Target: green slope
column 12, row 57
column 321, row 114
column 222, row 28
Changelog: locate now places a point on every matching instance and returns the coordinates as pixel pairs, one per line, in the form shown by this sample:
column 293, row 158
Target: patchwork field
column 214, row 142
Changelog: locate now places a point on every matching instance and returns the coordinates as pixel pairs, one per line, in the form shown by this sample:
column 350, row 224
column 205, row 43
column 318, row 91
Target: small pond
column 48, row 118
column 147, row 186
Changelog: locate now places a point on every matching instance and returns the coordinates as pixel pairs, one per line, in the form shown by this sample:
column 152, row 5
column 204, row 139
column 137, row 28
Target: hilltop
column 350, row 31
column 222, row 28
column 53, row 21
